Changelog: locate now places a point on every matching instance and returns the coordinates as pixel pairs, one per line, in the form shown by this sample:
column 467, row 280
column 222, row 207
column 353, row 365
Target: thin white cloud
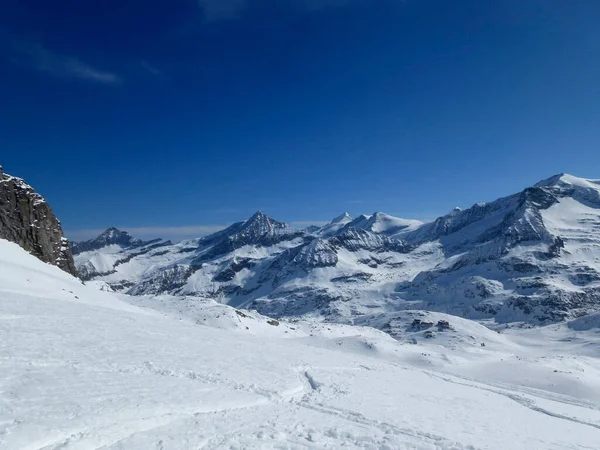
column 151, row 69
column 34, row 56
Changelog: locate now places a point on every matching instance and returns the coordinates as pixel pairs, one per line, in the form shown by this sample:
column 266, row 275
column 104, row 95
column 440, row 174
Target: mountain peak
column 113, row 233
column 258, row 215
column 111, row 236
column 562, row 179
column 552, row 181
column 342, row 218
column 260, row 223
column 583, row 187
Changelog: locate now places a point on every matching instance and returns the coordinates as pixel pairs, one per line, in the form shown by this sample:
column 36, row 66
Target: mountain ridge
column 517, row 258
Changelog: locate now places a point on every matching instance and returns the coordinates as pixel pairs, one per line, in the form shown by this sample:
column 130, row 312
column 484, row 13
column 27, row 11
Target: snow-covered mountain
column 84, row 367
column 81, row 368
column 111, row 236
column 533, row 256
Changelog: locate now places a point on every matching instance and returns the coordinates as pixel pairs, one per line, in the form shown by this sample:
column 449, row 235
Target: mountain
column 85, row 369
column 27, row 220
column 533, row 256
column 384, row 224
column 334, row 226
column 100, row 256
column 112, row 236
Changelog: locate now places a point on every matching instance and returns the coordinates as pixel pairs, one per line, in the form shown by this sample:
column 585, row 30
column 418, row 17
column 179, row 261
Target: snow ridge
column 531, row 256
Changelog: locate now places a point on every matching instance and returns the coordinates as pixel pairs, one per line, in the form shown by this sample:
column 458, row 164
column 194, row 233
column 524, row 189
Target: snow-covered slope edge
column 82, row 369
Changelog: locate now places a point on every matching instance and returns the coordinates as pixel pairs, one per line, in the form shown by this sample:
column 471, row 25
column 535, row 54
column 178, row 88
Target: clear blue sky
column 199, row 112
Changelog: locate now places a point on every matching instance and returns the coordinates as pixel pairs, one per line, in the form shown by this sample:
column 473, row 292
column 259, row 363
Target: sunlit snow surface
column 86, row 369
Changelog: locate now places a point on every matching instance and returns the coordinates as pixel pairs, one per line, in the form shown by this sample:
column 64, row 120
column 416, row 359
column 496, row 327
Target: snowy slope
column 534, row 256
column 384, row 223
column 82, row 369
column 529, row 257
column 335, row 225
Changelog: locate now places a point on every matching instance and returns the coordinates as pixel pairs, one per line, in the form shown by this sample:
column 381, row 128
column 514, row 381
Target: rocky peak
column 260, row 224
column 27, row 220
column 335, row 225
column 583, row 190
column 344, row 218
column 112, row 236
column 361, row 222
column 383, row 223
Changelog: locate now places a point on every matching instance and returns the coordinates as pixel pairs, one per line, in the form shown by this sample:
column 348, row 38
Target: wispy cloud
column 175, row 233
column 151, row 69
column 35, row 56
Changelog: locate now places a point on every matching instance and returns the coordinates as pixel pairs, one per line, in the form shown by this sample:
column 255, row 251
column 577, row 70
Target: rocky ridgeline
column 533, row 256
column 111, row 236
column 27, row 220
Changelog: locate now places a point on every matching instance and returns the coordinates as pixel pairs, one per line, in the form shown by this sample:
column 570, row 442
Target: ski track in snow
column 527, row 402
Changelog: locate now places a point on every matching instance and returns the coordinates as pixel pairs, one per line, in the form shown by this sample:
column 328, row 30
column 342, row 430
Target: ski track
column 523, row 401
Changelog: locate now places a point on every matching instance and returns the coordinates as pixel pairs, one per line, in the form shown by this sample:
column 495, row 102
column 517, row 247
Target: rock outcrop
column 27, row 220
column 112, row 236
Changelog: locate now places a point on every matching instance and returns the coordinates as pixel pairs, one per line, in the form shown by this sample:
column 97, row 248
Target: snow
column 385, row 224
column 82, row 368
column 101, row 260
column 335, row 225
column 531, row 256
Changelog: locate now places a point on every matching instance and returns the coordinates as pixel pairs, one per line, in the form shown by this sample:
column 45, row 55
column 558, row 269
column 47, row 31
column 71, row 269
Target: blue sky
column 159, row 115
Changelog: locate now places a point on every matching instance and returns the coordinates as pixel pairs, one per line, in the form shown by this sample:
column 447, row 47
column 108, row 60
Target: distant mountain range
column 533, row 256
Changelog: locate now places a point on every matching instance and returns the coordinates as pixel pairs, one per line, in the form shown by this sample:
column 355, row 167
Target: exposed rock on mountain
column 384, row 224
column 532, row 256
column 111, row 236
column 27, row 220
column 100, row 256
column 259, row 230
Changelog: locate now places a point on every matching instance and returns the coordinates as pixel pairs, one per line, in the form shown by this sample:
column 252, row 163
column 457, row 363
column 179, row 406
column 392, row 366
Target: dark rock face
column 259, row 230
column 111, row 236
column 168, row 281
column 27, row 220
column 356, row 239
